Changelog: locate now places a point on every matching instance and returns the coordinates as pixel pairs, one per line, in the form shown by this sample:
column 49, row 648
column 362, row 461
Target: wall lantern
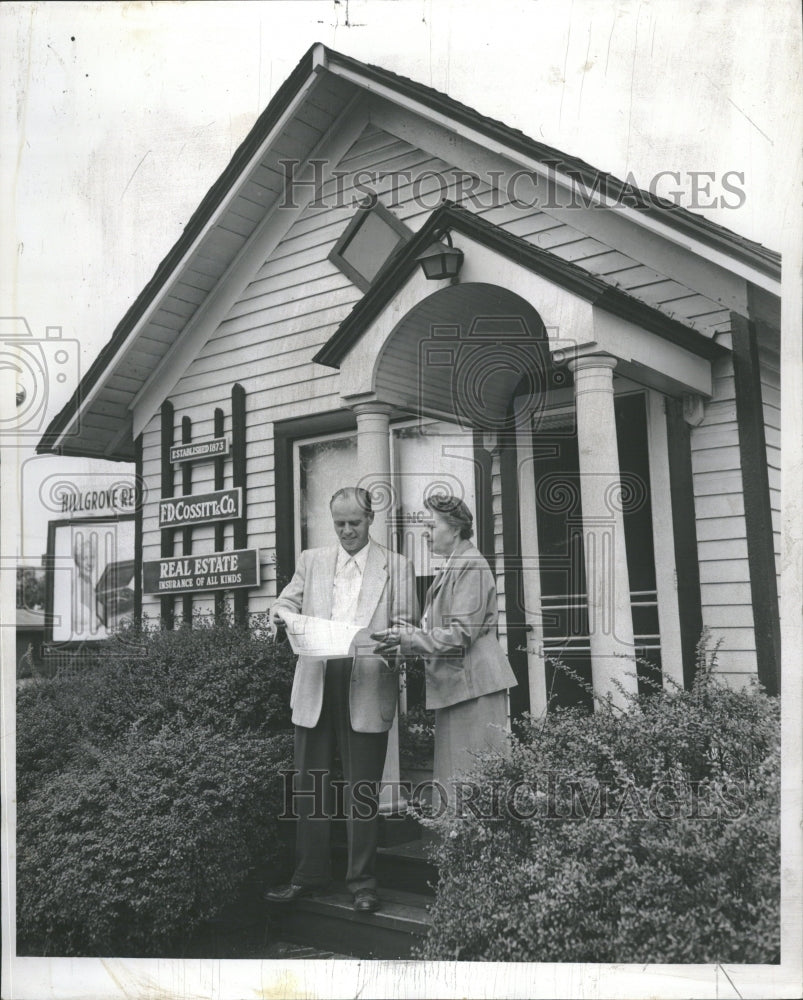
column 439, row 261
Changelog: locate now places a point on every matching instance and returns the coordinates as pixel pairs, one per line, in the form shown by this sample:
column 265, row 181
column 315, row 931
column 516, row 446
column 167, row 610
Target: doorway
column 554, row 594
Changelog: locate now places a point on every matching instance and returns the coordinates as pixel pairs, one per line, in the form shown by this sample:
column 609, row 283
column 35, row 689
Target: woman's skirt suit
column 467, row 672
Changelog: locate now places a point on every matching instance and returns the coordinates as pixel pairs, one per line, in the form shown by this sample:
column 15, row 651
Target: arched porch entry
column 465, row 391
column 456, row 361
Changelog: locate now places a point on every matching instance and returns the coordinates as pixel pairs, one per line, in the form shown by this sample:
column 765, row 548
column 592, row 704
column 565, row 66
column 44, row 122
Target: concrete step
column 399, row 866
column 286, row 949
column 327, row 921
column 393, row 829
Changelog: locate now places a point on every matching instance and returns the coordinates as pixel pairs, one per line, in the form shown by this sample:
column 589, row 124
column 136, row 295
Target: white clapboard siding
column 266, row 342
column 295, row 302
column 721, row 530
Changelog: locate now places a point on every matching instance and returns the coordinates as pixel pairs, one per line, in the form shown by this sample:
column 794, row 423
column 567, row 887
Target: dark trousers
column 363, row 759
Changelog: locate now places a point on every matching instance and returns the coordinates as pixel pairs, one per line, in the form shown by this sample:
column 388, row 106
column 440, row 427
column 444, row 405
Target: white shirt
column 349, row 571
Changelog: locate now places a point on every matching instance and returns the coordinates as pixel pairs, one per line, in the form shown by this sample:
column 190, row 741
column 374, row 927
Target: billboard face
column 92, row 577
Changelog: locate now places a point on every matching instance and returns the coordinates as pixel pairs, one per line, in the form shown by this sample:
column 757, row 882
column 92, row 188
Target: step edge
column 379, row 918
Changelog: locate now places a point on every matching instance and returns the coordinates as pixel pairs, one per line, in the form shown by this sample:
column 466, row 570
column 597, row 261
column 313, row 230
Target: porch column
column 373, row 465
column 610, row 621
column 373, row 474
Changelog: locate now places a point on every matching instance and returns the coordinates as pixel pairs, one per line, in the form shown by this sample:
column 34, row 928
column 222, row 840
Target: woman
column 467, row 673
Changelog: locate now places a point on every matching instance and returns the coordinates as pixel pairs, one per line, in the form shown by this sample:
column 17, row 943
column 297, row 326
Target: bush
column 216, row 674
column 417, row 737
column 646, row 836
column 148, row 790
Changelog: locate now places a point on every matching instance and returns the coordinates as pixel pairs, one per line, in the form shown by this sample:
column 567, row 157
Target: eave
column 564, row 273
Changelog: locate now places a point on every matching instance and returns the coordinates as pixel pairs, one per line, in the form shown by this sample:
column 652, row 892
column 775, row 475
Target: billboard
column 91, row 577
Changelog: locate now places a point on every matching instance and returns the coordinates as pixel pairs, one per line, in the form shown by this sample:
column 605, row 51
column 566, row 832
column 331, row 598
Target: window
column 322, row 465
column 369, row 240
column 427, row 456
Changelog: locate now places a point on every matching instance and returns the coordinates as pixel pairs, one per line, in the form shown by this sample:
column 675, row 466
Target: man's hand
column 388, row 642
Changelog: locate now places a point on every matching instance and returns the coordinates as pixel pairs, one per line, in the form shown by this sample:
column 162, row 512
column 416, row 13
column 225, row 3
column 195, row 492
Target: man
column 86, row 622
column 347, row 701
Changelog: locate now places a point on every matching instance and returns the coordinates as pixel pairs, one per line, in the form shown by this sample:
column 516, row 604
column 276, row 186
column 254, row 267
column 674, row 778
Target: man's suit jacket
column 463, row 657
column 387, row 599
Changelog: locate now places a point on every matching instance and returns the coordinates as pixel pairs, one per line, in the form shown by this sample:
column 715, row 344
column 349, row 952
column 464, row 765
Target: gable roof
column 666, row 212
column 562, row 272
column 300, row 116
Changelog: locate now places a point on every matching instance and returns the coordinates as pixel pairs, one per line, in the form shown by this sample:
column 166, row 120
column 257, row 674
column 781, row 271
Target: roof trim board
column 564, row 273
column 287, row 97
column 665, row 215
column 262, row 242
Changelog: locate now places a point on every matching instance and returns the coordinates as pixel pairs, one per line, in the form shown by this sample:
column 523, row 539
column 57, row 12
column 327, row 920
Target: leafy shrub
column 216, row 674
column 148, row 789
column 645, row 836
column 417, row 737
column 141, row 848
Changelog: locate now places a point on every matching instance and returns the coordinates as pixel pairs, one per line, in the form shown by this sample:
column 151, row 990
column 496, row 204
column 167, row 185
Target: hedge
column 148, row 789
column 650, row 835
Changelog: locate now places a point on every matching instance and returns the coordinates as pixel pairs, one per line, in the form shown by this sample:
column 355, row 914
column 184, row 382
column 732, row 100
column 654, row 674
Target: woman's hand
column 277, row 623
column 388, row 642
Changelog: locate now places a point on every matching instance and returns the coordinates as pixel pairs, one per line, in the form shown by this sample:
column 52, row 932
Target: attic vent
column 369, row 240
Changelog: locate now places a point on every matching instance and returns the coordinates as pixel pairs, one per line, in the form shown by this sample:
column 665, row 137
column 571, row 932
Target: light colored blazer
column 463, row 657
column 387, row 599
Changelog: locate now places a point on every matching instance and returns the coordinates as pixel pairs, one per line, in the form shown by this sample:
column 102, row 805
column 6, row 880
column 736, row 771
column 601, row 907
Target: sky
column 118, row 117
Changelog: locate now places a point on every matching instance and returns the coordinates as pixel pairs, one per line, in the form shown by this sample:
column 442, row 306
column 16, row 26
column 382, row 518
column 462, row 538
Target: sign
column 213, row 448
column 222, row 505
column 191, row 574
column 103, row 501
column 78, row 494
column 91, row 572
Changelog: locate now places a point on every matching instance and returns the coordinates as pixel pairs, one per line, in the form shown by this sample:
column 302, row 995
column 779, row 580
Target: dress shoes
column 290, row 893
column 366, row 901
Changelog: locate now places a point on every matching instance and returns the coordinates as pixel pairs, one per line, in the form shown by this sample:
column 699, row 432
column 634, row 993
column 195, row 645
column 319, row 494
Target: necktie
column 349, row 571
column 344, row 605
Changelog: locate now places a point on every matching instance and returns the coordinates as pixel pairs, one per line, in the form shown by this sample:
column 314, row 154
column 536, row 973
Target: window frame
column 373, row 205
column 298, row 443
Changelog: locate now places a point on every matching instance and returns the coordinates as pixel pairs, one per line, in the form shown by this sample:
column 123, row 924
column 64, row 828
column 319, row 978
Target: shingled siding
column 721, row 534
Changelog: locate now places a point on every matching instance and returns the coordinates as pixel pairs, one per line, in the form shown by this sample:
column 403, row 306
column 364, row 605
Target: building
column 600, row 381
column 30, row 635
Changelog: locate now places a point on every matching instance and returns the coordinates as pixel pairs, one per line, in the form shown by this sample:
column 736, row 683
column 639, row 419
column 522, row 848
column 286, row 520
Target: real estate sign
column 191, row 574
